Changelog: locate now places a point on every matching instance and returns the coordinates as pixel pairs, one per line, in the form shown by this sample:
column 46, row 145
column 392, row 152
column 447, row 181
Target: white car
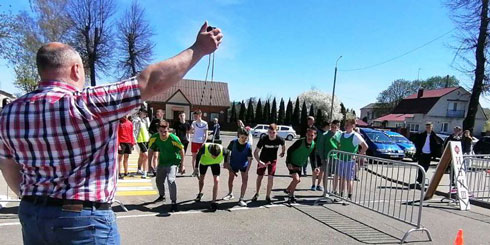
column 286, row 132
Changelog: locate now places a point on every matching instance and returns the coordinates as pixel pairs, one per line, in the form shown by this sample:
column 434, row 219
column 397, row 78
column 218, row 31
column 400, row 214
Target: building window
column 413, row 128
column 399, row 125
column 212, row 116
column 444, row 127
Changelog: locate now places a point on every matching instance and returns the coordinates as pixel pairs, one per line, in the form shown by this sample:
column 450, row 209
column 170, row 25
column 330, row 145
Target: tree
column 134, row 44
column 296, row 114
column 321, row 101
column 273, row 117
column 320, row 118
column 250, row 112
column 304, row 115
column 282, row 112
column 471, row 17
column 242, row 111
column 93, row 34
column 312, row 111
column 344, row 115
column 259, row 113
column 266, row 112
column 233, row 117
column 289, row 113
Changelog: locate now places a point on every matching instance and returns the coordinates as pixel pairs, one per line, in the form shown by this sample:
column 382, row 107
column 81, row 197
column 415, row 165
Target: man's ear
column 75, row 73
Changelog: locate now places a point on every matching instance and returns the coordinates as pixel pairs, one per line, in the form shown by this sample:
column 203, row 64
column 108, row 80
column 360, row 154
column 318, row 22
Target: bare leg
column 270, row 183
column 201, row 182
column 294, row 182
column 231, row 178
column 244, row 184
column 320, row 177
column 215, row 187
column 126, row 157
column 258, row 183
column 119, row 161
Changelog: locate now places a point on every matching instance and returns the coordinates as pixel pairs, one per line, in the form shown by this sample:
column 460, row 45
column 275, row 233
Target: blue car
column 405, row 144
column 380, row 145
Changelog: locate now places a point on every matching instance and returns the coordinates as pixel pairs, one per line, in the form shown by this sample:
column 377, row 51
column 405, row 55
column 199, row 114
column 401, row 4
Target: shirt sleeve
column 357, row 140
column 151, row 143
column 230, row 146
column 226, row 153
column 260, row 143
column 176, row 142
column 113, row 101
column 292, row 148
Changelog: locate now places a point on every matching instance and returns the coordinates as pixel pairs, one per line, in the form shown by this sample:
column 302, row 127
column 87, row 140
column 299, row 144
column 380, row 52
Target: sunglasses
column 163, row 126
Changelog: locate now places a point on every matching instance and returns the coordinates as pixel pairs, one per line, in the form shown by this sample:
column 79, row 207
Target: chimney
column 420, row 93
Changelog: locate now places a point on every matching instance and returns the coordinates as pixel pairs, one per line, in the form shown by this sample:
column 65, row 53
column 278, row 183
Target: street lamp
column 333, row 93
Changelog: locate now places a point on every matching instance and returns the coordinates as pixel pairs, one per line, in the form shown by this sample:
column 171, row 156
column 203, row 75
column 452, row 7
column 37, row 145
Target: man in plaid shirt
column 58, row 144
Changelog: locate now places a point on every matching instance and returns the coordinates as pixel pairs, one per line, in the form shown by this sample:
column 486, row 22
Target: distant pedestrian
column 216, row 132
column 310, row 122
column 427, row 145
column 199, row 129
column 153, row 129
column 126, row 143
column 142, row 136
column 467, row 142
column 182, row 129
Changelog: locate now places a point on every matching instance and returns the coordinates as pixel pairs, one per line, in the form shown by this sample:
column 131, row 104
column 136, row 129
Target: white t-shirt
column 200, row 129
column 426, row 148
column 357, row 140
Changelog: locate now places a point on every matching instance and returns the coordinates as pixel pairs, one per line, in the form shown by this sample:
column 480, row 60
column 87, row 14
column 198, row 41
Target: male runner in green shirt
column 171, row 156
column 297, row 157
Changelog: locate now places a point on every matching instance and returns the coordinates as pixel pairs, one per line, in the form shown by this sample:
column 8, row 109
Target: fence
column 477, row 168
column 385, row 186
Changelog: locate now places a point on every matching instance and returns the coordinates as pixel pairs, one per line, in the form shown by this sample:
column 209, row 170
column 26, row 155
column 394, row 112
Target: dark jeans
column 51, row 225
column 424, row 161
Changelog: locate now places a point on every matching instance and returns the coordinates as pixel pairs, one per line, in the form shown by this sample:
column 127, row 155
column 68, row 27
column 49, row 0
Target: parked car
column 286, row 132
column 380, row 145
column 406, row 145
column 482, row 146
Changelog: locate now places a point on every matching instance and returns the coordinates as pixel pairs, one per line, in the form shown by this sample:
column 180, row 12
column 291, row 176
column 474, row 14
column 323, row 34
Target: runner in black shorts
column 268, row 146
column 210, row 155
column 182, row 130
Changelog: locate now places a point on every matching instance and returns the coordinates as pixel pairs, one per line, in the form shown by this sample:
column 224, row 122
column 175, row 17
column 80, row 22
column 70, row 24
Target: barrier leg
column 121, row 204
column 416, row 229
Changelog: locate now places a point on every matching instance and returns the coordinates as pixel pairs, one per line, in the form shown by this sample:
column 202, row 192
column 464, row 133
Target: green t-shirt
column 330, row 141
column 169, row 149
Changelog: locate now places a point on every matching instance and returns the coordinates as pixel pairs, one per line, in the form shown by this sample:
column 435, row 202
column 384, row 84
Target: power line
column 399, row 56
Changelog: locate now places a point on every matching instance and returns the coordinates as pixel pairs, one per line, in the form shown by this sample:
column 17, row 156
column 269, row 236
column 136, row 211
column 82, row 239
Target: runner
column 172, row 156
column 199, row 130
column 316, row 165
column 125, row 143
column 297, row 157
column 268, row 146
column 310, row 122
column 182, row 129
column 154, row 130
column 142, row 136
column 210, row 155
column 328, row 142
column 350, row 141
column 239, row 161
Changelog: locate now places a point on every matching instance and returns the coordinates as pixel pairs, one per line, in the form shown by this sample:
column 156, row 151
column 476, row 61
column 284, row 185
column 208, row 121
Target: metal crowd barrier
column 7, row 196
column 385, row 186
column 477, row 168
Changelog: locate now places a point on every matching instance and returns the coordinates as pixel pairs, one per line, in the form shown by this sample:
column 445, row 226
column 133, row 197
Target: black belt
column 70, row 205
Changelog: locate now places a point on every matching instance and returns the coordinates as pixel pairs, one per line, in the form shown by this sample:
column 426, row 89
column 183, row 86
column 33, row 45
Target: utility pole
column 333, row 93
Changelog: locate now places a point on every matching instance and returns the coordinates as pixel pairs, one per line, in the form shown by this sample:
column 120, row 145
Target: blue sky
column 283, row 48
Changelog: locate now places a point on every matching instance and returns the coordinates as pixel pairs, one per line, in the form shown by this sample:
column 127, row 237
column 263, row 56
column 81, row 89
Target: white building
column 445, row 108
column 5, row 98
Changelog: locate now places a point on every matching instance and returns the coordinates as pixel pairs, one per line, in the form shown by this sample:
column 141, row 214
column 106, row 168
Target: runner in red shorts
column 268, row 146
column 199, row 129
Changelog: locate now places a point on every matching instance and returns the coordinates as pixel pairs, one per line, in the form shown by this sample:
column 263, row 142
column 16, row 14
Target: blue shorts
column 346, row 169
column 240, row 168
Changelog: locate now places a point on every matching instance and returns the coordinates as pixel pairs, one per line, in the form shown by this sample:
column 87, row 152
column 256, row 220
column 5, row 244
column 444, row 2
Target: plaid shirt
column 66, row 140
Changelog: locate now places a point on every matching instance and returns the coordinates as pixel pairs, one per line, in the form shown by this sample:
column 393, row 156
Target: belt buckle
column 72, row 207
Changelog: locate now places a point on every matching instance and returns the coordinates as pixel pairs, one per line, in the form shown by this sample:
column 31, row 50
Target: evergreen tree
column 273, row 117
column 266, row 113
column 282, row 112
column 289, row 113
column 233, row 117
column 312, row 111
column 304, row 115
column 344, row 115
column 320, row 118
column 250, row 113
column 295, row 120
column 259, row 113
column 243, row 110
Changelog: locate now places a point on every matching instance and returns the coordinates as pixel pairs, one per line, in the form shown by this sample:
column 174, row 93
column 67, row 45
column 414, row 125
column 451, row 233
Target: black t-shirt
column 154, row 126
column 181, row 130
column 269, row 148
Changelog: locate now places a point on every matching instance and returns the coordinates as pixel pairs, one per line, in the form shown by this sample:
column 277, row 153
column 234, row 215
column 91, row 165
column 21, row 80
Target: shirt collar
column 57, row 84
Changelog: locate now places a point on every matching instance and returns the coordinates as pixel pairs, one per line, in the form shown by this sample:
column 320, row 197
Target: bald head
column 58, row 61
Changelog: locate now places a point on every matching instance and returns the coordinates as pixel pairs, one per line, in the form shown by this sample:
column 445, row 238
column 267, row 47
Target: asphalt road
column 148, row 223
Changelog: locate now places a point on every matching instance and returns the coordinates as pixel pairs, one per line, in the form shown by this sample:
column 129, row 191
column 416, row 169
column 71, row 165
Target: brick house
column 212, row 98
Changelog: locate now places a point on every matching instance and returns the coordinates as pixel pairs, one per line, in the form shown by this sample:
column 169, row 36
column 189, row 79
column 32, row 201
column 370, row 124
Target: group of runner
column 169, row 149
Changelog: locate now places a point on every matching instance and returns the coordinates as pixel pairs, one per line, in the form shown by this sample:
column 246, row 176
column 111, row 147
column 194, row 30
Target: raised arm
column 162, row 75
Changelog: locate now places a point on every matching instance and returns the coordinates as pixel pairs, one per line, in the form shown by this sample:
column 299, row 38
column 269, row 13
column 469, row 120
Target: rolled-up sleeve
column 113, row 101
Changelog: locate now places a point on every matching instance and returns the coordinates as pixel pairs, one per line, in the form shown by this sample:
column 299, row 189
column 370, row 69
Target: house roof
column 198, row 93
column 361, row 123
column 435, row 93
column 7, row 94
column 393, row 117
column 373, row 105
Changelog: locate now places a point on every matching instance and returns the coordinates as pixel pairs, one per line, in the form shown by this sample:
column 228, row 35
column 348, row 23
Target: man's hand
column 182, row 169
column 316, row 171
column 119, row 148
column 207, row 41
column 261, row 164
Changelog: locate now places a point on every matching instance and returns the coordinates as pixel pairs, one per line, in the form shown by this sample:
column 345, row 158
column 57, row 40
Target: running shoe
column 319, row 188
column 313, row 187
column 195, row 173
column 229, row 197
column 174, row 208
column 292, row 200
column 268, row 200
column 121, row 176
column 255, row 197
column 213, row 207
column 198, row 198
column 160, row 199
column 286, row 191
column 139, row 172
column 242, row 203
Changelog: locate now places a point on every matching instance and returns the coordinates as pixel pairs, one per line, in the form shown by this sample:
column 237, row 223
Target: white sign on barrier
column 460, row 175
